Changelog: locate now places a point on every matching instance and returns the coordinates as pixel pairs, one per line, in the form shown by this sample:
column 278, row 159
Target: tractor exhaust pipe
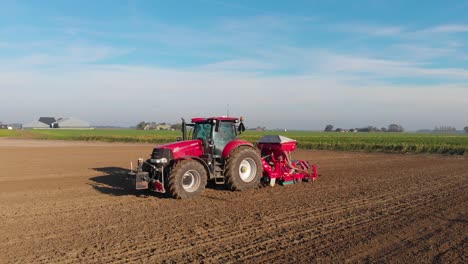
column 184, row 130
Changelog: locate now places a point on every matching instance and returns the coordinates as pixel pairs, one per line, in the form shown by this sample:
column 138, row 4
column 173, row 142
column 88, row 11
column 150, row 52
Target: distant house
column 162, row 127
column 3, row 126
column 154, row 126
column 15, row 125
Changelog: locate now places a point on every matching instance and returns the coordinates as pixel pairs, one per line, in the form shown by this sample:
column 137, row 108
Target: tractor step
column 219, row 180
column 218, row 175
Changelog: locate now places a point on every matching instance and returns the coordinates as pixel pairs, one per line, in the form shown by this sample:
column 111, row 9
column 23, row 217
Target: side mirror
column 216, row 126
column 241, row 128
column 179, row 139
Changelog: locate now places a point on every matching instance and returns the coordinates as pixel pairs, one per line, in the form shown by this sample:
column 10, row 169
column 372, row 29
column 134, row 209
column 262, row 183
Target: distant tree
column 176, row 126
column 466, row 129
column 368, row 129
column 445, row 129
column 424, row 131
column 329, row 128
column 259, row 128
column 383, row 129
column 395, row 128
column 141, row 125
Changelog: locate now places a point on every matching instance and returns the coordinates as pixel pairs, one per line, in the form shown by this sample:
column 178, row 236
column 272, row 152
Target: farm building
column 36, row 125
column 51, row 122
column 70, row 122
column 47, row 120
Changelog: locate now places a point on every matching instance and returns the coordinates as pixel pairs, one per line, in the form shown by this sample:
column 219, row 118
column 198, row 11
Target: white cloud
column 315, row 85
column 240, row 65
column 368, row 29
column 126, row 94
column 387, row 68
column 265, row 23
column 72, row 54
column 449, row 28
column 4, row 44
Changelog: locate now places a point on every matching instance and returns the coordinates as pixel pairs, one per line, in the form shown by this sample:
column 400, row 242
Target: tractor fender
column 233, row 145
column 205, row 165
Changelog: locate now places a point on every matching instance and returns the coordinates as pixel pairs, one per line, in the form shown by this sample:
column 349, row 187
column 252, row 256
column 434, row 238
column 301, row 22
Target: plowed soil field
column 65, row 202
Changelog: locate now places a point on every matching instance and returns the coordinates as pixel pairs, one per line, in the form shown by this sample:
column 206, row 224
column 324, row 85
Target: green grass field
column 9, row 133
column 109, row 135
column 381, row 142
column 450, row 144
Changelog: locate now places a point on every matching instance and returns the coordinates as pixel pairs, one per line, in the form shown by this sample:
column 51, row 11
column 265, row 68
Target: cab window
column 202, row 131
column 226, row 133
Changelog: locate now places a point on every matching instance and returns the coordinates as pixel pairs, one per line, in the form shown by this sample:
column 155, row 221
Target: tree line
column 157, row 126
column 390, row 128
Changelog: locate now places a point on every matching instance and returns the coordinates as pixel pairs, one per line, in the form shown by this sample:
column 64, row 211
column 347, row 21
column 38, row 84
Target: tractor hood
column 184, row 148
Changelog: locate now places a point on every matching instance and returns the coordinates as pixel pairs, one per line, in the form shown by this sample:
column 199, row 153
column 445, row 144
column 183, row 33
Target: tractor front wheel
column 187, row 180
column 243, row 169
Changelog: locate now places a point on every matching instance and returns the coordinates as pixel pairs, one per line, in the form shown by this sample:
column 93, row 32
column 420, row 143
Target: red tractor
column 211, row 151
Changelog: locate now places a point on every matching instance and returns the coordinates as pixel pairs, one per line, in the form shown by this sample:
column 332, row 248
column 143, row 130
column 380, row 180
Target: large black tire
column 188, row 179
column 243, row 169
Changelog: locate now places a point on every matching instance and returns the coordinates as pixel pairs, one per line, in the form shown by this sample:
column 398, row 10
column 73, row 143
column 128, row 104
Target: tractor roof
column 219, row 118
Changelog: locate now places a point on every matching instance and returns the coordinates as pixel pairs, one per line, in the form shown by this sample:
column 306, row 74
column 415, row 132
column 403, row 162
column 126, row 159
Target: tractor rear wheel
column 243, row 169
column 187, row 180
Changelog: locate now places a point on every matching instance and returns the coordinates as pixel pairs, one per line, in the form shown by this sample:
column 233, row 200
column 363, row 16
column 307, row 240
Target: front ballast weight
column 147, row 175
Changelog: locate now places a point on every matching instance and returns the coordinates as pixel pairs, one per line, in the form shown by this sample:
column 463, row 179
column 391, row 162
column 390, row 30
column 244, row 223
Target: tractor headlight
column 159, row 161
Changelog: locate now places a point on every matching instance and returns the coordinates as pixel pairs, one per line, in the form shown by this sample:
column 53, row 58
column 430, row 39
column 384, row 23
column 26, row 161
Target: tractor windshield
column 202, row 130
column 226, row 132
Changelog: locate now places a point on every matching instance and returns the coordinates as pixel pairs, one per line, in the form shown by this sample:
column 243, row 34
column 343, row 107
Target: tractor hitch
column 142, row 180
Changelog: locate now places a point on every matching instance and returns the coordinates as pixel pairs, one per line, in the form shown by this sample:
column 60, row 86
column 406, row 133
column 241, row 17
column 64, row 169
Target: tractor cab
column 214, row 132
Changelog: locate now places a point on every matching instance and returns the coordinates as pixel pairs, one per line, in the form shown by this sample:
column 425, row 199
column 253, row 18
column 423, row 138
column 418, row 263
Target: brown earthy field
column 65, row 202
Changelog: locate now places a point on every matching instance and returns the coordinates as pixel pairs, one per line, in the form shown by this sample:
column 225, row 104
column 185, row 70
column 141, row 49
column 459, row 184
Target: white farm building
column 36, row 124
column 70, row 122
column 51, row 122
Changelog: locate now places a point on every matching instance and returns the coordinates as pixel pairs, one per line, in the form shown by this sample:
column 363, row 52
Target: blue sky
column 294, row 64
